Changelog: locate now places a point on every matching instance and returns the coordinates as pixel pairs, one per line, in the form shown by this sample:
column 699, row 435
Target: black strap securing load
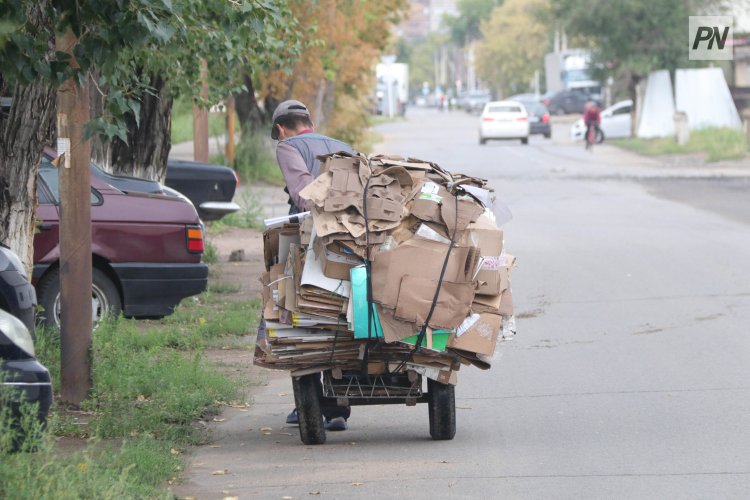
column 452, row 186
column 423, row 330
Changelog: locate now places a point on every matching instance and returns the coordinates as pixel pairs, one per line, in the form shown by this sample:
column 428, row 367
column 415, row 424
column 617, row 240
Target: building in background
column 424, row 17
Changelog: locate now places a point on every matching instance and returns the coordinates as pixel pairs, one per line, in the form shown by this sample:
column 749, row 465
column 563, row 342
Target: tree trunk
column 324, row 102
column 145, row 154
column 26, row 129
column 251, row 117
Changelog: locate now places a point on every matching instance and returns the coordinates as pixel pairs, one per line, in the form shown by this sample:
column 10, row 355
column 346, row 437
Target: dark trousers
column 335, row 411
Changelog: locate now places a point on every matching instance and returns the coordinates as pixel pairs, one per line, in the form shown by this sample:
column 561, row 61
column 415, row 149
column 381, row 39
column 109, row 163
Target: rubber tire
column 525, row 141
column 48, row 291
column 307, row 393
column 482, row 141
column 547, row 136
column 441, row 406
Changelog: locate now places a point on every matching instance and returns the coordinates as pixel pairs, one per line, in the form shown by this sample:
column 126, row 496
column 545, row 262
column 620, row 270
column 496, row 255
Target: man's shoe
column 336, row 424
column 293, row 418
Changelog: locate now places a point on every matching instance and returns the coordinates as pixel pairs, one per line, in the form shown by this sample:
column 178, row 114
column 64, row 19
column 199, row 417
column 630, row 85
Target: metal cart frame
column 357, row 389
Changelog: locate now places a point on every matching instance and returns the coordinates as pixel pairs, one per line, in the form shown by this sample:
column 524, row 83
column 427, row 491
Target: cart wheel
column 307, row 393
column 441, row 405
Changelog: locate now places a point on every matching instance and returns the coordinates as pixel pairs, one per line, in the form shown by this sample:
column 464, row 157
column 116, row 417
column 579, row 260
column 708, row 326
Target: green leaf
column 135, row 107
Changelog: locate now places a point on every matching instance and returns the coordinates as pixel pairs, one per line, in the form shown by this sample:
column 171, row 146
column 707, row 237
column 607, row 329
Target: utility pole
column 200, row 119
column 75, row 234
column 229, row 152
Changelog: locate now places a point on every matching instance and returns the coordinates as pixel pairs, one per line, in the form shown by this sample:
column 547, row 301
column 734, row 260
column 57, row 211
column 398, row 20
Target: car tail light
column 236, row 177
column 545, row 118
column 488, row 119
column 522, row 119
column 195, row 239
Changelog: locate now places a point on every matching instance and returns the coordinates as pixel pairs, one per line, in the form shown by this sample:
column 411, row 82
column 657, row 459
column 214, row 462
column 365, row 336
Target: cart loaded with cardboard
column 396, row 274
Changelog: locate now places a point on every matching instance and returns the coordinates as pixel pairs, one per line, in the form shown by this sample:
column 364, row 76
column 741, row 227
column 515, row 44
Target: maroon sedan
column 146, row 248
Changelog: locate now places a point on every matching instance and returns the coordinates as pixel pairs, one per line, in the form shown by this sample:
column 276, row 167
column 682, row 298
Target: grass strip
column 150, row 389
column 717, row 143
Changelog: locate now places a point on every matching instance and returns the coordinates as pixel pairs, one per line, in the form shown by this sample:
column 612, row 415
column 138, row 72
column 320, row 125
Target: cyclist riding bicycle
column 592, row 119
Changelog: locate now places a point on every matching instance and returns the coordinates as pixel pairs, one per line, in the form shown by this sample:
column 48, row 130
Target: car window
column 625, row 110
column 535, row 108
column 51, row 178
column 504, row 109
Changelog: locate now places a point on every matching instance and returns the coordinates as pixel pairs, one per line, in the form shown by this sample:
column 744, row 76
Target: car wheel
column 525, row 140
column 547, row 136
column 482, row 141
column 105, row 298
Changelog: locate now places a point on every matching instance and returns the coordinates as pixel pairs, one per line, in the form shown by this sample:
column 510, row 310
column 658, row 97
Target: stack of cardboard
column 434, row 295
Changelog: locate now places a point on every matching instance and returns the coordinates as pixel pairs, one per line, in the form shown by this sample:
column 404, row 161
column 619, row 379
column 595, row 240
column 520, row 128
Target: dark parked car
column 474, row 100
column 538, row 117
column 22, row 378
column 210, row 187
column 17, row 296
column 146, row 248
column 567, row 101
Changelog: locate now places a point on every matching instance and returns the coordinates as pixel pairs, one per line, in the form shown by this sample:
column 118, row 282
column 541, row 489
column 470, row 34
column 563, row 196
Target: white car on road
column 615, row 123
column 504, row 120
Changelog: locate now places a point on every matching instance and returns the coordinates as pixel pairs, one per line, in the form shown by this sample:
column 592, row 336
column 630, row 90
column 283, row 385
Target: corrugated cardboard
column 415, row 300
column 271, row 243
column 317, row 190
column 478, row 334
column 489, row 239
column 486, row 304
column 468, row 212
column 419, row 258
column 506, row 303
column 393, row 329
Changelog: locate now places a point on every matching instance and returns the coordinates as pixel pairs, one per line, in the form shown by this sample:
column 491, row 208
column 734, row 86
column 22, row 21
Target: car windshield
column 504, row 108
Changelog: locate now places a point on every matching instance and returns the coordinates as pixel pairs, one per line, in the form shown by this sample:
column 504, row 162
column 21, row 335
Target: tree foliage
column 32, row 70
column 466, row 26
column 631, row 38
column 230, row 36
column 125, row 47
column 334, row 73
column 422, row 60
column 513, row 47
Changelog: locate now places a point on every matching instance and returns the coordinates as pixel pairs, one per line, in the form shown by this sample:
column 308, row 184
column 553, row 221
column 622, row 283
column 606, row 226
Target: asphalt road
column 628, row 377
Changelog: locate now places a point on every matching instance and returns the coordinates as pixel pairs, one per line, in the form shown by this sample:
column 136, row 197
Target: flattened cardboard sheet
column 415, row 300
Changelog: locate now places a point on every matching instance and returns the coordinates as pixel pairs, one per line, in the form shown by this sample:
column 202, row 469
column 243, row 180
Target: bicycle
column 590, row 139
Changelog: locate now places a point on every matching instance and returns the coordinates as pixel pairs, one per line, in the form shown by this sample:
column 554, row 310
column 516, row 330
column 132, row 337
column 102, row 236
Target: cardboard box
column 418, row 258
column 337, row 266
column 415, row 301
column 489, row 239
column 478, row 334
column 486, row 304
column 273, row 238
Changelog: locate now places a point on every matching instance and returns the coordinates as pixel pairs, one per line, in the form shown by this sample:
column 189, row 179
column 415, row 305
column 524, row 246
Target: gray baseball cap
column 290, row 107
